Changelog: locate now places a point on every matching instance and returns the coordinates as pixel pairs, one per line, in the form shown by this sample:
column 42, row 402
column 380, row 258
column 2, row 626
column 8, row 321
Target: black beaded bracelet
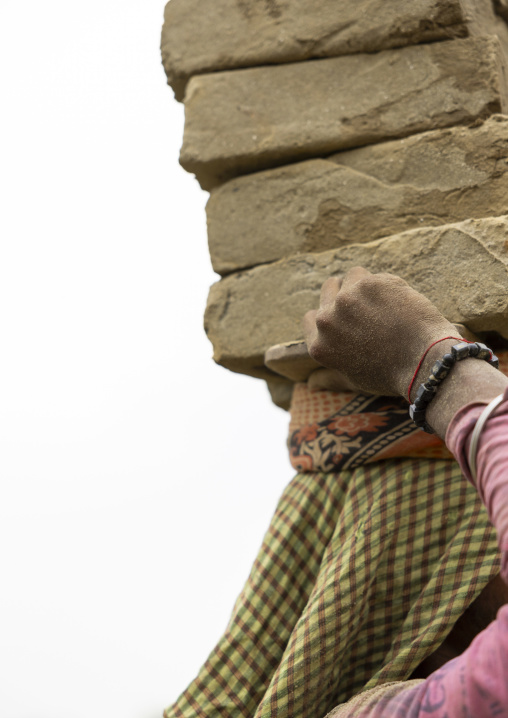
column 440, row 370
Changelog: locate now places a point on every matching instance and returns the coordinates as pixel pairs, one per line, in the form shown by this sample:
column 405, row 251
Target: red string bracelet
column 423, row 357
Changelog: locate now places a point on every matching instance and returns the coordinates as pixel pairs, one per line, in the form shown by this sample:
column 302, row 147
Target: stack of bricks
column 333, row 134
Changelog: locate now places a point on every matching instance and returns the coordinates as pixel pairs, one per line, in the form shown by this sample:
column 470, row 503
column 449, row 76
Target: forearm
column 491, row 462
column 470, row 380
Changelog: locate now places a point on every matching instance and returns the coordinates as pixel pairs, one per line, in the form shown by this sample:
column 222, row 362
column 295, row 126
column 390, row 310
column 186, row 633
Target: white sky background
column 136, row 477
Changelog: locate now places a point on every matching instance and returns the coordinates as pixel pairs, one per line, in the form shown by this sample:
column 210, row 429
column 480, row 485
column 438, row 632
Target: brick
column 248, row 120
column 200, row 37
column 428, row 179
column 462, row 268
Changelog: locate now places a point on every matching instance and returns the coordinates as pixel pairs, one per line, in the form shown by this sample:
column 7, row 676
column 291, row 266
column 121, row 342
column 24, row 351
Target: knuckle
column 378, row 284
column 323, row 321
column 345, row 305
column 317, row 351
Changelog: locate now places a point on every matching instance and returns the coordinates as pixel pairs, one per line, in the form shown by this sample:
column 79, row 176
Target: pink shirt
column 475, row 684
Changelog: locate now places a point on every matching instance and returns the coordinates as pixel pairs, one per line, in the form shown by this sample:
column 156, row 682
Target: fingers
column 309, row 327
column 353, row 276
column 329, row 291
column 319, row 324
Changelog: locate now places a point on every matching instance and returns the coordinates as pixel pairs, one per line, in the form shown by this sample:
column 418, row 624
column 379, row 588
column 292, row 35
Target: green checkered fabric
column 360, row 577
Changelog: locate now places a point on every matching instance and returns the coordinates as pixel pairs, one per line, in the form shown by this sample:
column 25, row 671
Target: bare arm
column 470, row 381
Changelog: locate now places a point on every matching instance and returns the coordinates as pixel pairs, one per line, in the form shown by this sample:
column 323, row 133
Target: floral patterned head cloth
column 376, row 547
column 334, row 431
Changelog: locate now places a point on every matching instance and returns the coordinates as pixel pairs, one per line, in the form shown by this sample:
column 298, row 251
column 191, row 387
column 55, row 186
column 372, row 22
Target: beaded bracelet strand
column 459, row 339
column 427, row 391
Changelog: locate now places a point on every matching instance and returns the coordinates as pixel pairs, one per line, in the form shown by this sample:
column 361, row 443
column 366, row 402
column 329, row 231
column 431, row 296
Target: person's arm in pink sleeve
column 491, row 463
column 476, row 683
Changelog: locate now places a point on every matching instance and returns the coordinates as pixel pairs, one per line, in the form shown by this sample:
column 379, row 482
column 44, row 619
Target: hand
column 373, row 329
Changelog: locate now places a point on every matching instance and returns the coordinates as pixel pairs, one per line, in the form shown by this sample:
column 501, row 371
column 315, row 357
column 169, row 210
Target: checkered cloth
column 368, row 562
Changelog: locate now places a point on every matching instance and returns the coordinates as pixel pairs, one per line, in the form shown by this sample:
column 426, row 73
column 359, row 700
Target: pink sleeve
column 476, row 683
column 491, row 464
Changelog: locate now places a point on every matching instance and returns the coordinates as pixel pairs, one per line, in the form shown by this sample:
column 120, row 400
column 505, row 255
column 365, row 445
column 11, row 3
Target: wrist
column 452, row 378
column 424, row 353
column 428, row 361
column 469, row 381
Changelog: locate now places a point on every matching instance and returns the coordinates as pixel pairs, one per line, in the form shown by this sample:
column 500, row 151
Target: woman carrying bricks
column 380, row 586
